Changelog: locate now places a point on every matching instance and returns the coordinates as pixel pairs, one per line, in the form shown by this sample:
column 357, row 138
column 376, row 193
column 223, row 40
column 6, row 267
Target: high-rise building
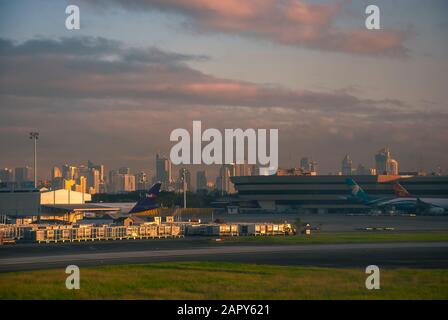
column 163, row 171
column 201, row 180
column 184, row 173
column 69, row 172
column 142, row 181
column 392, row 167
column 305, row 164
column 23, row 174
column 223, row 182
column 347, row 166
column 313, row 167
column 242, row 169
column 308, row 166
column 66, row 171
column 100, row 168
column 57, row 180
column 82, row 185
column 363, row 171
column 126, row 183
column 124, row 170
column 93, row 181
column 385, row 164
column 254, row 170
column 119, row 182
column 6, row 175
column 113, row 181
column 56, row 173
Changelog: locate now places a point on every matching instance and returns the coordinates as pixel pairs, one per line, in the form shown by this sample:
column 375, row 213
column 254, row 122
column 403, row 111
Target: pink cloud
column 311, row 14
column 289, row 22
column 232, row 8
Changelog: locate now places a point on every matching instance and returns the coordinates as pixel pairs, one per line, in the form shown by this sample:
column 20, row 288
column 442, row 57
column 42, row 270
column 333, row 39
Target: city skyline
column 92, row 178
column 116, row 92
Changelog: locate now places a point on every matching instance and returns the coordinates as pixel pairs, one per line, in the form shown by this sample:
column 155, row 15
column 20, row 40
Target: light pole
column 184, row 187
column 35, row 136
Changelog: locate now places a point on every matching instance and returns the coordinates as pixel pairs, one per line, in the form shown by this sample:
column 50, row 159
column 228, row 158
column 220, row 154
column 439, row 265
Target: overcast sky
column 113, row 91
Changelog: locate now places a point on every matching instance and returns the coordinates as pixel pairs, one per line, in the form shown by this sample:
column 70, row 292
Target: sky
column 113, row 91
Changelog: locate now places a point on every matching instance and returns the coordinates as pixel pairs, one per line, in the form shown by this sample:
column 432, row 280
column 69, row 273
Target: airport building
column 21, row 201
column 326, row 193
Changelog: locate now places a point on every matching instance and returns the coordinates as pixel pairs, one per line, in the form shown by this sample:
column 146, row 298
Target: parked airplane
column 149, row 202
column 428, row 205
column 145, row 205
column 402, row 202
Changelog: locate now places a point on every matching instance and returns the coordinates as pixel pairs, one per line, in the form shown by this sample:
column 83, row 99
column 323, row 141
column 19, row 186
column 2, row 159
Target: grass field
column 206, row 280
column 347, row 237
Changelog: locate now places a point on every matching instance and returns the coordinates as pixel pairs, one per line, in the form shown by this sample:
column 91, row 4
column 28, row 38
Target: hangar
column 62, row 204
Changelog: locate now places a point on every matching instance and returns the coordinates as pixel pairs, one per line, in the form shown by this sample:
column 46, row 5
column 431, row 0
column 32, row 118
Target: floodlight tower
column 184, row 178
column 34, row 136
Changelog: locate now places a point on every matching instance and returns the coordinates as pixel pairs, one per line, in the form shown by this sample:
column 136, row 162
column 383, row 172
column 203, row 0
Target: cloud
column 91, row 47
column 289, row 22
column 109, row 104
column 98, row 68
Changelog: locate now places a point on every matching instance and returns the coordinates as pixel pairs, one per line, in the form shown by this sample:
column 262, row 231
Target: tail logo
column 355, row 189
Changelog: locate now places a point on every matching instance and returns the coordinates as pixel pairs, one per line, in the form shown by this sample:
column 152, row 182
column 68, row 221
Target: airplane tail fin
column 149, row 202
column 357, row 191
column 400, row 191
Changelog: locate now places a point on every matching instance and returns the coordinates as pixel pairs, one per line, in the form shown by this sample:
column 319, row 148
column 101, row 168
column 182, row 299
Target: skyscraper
column 102, row 180
column 313, row 167
column 163, row 171
column 23, row 174
column 121, row 182
column 184, row 172
column 56, row 173
column 6, row 175
column 308, row 166
column 347, row 166
column 201, row 180
column 82, row 185
column 254, row 170
column 242, row 169
column 142, row 181
column 223, row 182
column 385, row 164
column 113, row 181
column 126, row 183
column 392, row 167
column 69, row 172
column 124, row 170
column 93, row 181
column 305, row 164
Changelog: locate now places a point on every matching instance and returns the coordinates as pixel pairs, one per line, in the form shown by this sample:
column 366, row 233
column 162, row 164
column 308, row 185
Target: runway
column 412, row 255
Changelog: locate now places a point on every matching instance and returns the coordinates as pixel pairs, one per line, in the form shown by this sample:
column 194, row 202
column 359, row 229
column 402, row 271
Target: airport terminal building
column 20, row 202
column 327, row 193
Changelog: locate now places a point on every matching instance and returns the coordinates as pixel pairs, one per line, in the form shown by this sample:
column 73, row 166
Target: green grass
column 207, row 280
column 347, row 237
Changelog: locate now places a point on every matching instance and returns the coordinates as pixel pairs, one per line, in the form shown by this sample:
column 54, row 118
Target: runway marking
column 85, row 257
